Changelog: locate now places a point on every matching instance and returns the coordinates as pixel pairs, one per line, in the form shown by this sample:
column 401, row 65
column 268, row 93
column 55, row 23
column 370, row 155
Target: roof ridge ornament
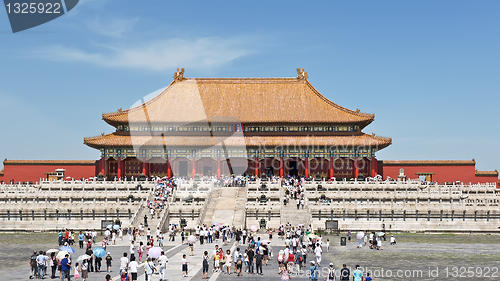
column 301, row 75
column 179, row 75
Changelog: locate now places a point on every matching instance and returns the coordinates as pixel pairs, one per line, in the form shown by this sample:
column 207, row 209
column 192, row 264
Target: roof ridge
column 320, row 95
column 140, row 105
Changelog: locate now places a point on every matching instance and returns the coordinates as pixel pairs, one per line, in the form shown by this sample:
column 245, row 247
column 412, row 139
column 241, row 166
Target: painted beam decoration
column 299, row 129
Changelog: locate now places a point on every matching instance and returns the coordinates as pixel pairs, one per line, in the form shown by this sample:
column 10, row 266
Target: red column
column 119, row 167
column 282, row 164
column 169, row 168
column 218, row 168
column 330, row 174
column 144, row 166
column 374, row 166
column 256, row 166
column 356, row 167
column 102, row 166
column 193, row 164
column 306, row 172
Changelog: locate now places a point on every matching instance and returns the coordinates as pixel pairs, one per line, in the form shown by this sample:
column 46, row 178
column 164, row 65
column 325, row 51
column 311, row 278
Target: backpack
column 239, row 261
column 33, row 261
column 331, row 274
column 205, row 261
column 280, row 257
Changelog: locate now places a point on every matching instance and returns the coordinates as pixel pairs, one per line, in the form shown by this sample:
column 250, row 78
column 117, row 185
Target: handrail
column 203, row 210
column 166, row 214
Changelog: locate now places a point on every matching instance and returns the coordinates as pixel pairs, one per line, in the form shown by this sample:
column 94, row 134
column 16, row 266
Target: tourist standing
column 330, row 276
column 81, row 237
column 191, row 248
column 132, row 249
column 313, row 272
column 76, row 272
column 33, row 265
column 285, row 275
column 109, row 259
column 250, row 255
column 91, row 254
column 97, row 261
column 204, row 265
column 133, row 265
column 357, row 275
column 40, row 261
column 85, row 269
column 65, row 268
column 124, row 263
column 317, row 253
column 184, row 263
column 53, row 265
column 162, row 261
column 345, row 273
column 140, row 250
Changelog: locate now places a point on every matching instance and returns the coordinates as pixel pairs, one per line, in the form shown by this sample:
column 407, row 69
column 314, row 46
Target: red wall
column 442, row 173
column 33, row 173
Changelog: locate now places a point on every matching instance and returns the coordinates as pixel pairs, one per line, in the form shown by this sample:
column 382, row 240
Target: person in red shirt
column 66, row 236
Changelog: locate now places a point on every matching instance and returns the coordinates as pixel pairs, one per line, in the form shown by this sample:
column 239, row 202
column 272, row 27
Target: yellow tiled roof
column 249, row 100
column 487, row 173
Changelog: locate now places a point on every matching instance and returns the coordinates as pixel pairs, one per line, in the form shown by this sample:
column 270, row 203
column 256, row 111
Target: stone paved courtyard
column 418, row 257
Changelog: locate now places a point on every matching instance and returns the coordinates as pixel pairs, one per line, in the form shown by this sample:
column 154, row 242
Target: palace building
column 215, row 126
column 253, row 126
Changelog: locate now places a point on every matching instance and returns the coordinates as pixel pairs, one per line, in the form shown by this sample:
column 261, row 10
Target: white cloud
column 157, row 55
column 113, row 28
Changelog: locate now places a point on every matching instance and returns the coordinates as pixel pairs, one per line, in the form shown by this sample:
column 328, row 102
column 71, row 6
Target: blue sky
column 428, row 70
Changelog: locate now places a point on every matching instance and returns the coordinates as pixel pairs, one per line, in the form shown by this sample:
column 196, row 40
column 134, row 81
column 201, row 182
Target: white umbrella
column 380, row 234
column 61, row 255
column 155, row 252
column 192, row 239
column 52, row 251
column 83, row 257
column 360, row 235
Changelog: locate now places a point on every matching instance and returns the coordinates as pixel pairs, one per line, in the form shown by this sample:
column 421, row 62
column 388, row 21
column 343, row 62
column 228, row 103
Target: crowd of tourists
column 294, row 190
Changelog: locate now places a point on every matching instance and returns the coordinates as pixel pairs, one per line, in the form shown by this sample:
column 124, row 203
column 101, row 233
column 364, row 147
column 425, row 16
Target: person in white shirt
column 317, row 253
column 162, row 261
column 94, row 235
column 124, row 262
column 236, row 254
column 132, row 249
column 133, row 265
column 150, row 268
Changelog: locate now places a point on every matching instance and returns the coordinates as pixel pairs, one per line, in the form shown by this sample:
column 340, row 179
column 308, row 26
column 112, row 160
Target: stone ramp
column 227, row 206
column 239, row 213
column 211, row 205
column 290, row 214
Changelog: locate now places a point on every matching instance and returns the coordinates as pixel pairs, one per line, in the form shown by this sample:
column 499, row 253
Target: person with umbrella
column 191, row 240
column 90, row 253
column 360, row 236
column 65, row 268
column 53, row 263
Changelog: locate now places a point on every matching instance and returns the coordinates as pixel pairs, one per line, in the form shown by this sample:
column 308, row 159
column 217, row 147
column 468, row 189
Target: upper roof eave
column 122, row 116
